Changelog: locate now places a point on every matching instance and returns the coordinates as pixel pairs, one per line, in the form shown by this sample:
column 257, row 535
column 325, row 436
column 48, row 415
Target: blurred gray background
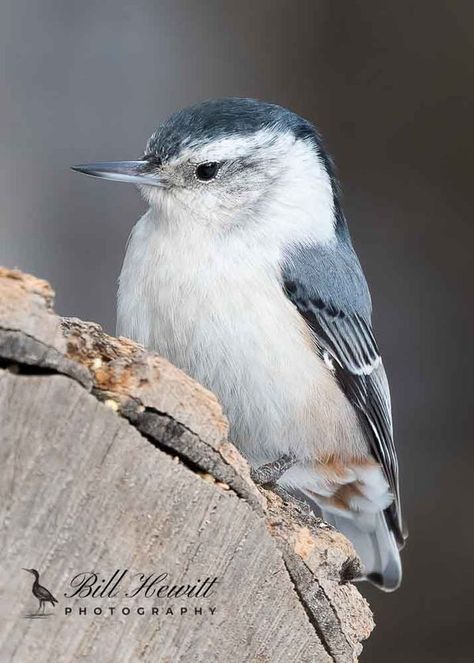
column 390, row 85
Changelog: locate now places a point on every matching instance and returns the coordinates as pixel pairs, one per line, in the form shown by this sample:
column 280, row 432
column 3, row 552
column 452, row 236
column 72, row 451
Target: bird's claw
column 268, row 474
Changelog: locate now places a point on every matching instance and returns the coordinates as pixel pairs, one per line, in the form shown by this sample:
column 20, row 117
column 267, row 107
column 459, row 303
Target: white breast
column 214, row 307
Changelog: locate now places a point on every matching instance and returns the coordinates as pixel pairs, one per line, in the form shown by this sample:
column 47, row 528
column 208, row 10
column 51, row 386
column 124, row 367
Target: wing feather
column 342, row 329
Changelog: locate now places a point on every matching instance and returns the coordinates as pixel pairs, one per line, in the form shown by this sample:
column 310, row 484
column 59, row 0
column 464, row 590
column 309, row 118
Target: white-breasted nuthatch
column 242, row 273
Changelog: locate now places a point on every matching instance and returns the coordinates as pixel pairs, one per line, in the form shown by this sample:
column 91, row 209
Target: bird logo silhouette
column 41, row 593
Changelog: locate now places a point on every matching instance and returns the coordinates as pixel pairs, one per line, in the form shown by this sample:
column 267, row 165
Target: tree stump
column 115, row 463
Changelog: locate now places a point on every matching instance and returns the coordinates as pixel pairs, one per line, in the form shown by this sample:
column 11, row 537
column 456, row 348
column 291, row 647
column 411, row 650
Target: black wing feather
column 348, row 339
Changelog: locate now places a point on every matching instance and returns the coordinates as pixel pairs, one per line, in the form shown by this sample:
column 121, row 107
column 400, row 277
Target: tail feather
column 375, row 544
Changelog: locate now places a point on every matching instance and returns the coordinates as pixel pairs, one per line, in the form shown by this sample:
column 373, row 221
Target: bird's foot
column 302, row 508
column 268, row 474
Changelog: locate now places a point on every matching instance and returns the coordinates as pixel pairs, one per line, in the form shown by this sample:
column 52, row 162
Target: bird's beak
column 137, row 172
column 27, row 570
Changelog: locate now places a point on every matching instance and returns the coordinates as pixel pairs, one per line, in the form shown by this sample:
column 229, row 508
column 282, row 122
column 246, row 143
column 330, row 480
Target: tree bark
column 113, row 459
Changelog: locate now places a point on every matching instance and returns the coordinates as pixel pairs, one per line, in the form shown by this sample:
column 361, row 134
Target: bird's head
column 229, row 162
column 33, row 572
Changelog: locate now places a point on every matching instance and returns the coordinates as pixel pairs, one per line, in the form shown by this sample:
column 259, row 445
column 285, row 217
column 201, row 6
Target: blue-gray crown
column 219, row 118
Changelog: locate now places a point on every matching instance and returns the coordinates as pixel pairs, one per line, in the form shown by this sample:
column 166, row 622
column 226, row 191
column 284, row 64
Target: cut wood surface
column 114, row 460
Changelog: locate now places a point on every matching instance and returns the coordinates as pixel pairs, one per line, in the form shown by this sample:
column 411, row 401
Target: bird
column 41, row 593
column 243, row 274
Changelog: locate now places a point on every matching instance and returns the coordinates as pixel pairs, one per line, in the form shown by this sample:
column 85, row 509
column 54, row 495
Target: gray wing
column 328, row 287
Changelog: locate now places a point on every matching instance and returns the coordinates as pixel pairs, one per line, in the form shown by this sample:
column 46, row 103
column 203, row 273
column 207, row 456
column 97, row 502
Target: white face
column 244, row 180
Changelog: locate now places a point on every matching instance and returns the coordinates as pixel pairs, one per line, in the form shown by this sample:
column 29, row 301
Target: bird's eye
column 207, row 171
